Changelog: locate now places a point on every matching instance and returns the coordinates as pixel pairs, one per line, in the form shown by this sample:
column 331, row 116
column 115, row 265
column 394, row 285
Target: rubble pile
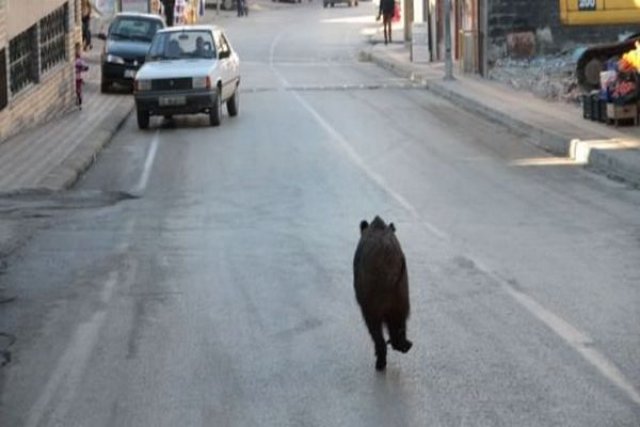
column 548, row 77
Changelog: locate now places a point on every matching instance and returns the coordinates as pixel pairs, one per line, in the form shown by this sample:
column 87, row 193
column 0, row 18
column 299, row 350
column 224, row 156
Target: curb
column 614, row 165
column 611, row 164
column 552, row 142
column 399, row 68
column 67, row 174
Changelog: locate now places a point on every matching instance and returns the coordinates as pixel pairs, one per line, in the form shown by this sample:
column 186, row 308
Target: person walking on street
column 81, row 66
column 386, row 12
column 86, row 9
column 243, row 10
column 169, row 9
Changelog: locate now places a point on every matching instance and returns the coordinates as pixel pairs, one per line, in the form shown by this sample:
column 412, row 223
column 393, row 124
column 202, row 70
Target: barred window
column 53, row 30
column 4, row 97
column 23, row 60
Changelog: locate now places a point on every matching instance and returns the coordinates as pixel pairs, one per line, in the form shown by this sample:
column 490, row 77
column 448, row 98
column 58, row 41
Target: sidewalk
column 558, row 128
column 53, row 155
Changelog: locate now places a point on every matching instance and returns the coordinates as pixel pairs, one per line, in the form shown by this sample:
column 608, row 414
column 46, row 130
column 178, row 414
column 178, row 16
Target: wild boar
column 381, row 286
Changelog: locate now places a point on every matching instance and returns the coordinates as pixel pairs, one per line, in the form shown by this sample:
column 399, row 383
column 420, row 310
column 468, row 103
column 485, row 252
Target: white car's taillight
column 201, row 83
column 142, row 85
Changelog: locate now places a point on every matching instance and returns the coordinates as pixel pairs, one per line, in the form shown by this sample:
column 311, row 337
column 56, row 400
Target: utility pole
column 448, row 64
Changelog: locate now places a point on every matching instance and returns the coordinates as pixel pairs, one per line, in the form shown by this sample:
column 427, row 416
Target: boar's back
column 380, row 276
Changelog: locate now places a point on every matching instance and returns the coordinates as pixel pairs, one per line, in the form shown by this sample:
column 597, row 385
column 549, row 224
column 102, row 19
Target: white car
column 188, row 70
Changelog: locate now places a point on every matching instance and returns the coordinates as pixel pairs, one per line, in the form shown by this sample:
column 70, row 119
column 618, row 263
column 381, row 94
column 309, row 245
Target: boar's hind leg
column 375, row 329
column 398, row 334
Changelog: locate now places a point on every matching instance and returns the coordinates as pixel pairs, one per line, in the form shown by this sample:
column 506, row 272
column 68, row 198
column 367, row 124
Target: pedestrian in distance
column 243, row 9
column 169, row 9
column 81, row 67
column 385, row 12
column 86, row 11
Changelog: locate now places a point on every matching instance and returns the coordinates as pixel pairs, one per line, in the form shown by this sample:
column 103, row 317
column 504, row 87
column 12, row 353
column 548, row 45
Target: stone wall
column 543, row 21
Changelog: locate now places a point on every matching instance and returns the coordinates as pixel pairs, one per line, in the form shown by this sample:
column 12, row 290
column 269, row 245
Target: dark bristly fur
column 382, row 287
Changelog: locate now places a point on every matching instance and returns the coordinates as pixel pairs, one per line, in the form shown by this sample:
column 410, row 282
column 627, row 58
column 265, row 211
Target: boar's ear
column 392, row 227
column 363, row 225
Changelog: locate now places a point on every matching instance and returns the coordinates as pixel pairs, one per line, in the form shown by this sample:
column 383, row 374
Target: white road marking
column 272, row 50
column 357, row 160
column 58, row 394
column 348, row 149
column 575, row 338
column 148, row 165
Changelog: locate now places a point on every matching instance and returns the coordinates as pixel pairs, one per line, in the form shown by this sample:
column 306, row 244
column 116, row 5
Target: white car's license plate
column 129, row 73
column 169, row 101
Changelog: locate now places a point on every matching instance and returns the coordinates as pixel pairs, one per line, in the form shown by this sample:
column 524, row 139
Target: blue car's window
column 182, row 44
column 134, row 29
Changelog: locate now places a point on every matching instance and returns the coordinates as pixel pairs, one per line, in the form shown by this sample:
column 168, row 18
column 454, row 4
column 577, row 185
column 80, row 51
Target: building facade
column 547, row 30
column 37, row 50
column 483, row 31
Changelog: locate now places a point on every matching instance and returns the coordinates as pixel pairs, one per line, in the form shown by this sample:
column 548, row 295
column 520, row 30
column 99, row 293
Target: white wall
column 22, row 14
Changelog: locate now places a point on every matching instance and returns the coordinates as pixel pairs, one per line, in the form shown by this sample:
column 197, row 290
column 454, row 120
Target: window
column 23, row 60
column 182, row 44
column 223, row 45
column 3, row 80
column 53, row 31
column 126, row 28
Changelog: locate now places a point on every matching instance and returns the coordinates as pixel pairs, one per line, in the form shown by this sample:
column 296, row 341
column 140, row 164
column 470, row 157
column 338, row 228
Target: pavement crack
column 35, row 204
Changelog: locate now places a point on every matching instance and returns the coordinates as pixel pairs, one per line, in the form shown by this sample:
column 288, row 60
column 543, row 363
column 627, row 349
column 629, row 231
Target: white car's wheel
column 143, row 119
column 233, row 103
column 215, row 112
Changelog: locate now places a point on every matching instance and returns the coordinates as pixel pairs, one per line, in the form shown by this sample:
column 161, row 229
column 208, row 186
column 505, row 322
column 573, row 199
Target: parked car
column 188, row 70
column 127, row 42
column 326, row 3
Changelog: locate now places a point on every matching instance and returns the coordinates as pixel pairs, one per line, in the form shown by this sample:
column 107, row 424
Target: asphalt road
column 223, row 296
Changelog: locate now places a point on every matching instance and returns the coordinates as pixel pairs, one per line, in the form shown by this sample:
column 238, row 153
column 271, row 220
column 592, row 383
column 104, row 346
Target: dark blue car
column 127, row 42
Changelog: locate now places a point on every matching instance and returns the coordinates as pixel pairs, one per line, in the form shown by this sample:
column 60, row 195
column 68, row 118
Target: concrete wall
column 54, row 94
column 543, row 19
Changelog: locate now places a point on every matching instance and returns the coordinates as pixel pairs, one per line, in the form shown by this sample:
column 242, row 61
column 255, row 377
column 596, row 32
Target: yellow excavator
column 600, row 12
